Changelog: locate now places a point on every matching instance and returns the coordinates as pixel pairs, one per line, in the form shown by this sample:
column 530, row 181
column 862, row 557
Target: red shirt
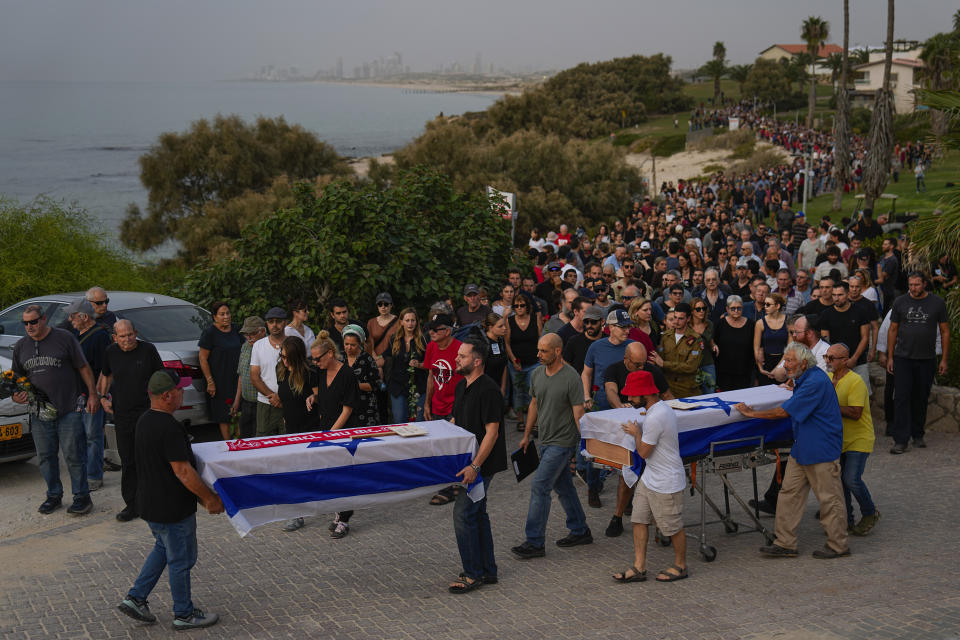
column 443, row 367
column 562, row 239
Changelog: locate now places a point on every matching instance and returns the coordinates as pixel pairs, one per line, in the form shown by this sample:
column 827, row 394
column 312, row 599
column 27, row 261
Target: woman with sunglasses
column 380, row 331
column 734, row 340
column 219, row 354
column 770, row 337
column 406, row 352
column 337, row 399
column 521, row 346
column 701, row 324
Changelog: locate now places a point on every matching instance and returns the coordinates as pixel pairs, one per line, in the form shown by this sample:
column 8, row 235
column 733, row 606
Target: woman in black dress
column 337, row 399
column 296, row 381
column 368, row 375
column 495, row 328
column 408, row 346
column 219, row 348
column 734, row 341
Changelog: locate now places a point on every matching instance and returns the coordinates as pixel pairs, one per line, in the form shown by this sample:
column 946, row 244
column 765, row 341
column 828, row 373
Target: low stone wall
column 943, row 412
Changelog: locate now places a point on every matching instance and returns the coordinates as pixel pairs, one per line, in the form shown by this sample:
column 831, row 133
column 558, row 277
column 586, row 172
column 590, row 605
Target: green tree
column 860, row 56
column 213, row 162
column 739, row 74
column 50, row 247
column 841, row 127
column 767, row 80
column 421, row 240
column 718, row 68
column 941, row 57
column 815, row 31
column 876, row 166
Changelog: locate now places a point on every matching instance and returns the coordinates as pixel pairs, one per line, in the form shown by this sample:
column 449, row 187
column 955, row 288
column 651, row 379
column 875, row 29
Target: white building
column 867, row 78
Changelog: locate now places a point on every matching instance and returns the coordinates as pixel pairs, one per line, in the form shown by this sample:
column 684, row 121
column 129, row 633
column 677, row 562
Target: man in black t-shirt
column 847, row 324
column 167, row 490
column 478, row 408
column 614, row 379
column 127, row 367
column 575, row 351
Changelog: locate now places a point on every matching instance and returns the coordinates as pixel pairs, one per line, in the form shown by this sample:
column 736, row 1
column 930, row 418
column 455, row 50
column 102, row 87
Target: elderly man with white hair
column 814, row 460
column 98, row 298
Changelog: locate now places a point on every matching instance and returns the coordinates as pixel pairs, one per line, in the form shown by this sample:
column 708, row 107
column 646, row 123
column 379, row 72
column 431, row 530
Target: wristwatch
column 475, row 467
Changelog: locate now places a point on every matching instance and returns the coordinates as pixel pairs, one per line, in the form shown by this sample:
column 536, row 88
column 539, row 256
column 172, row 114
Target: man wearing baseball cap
column 167, row 490
column 658, row 496
column 472, row 312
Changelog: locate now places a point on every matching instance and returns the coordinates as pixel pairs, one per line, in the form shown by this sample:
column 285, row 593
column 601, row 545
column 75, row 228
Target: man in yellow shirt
column 858, row 437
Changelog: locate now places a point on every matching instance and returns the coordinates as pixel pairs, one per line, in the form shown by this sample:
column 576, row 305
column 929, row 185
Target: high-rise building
column 477, row 65
column 339, row 72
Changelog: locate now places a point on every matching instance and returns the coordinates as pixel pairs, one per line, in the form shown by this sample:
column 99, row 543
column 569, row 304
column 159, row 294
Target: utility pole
column 653, row 187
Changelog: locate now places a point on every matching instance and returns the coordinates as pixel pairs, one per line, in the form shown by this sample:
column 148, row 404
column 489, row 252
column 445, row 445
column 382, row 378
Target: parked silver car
column 172, row 325
column 16, row 440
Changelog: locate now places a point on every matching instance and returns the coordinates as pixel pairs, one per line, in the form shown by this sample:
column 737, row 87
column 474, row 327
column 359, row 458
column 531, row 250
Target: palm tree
column 860, row 56
column 738, row 73
column 815, row 31
column 941, row 57
column 876, row 167
column 834, row 62
column 719, row 68
column 841, row 126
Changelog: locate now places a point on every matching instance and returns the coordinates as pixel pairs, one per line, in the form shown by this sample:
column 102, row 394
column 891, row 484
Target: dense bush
column 50, row 247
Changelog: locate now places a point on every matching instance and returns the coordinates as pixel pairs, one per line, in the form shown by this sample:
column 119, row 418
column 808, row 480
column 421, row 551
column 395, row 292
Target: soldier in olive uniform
column 682, row 351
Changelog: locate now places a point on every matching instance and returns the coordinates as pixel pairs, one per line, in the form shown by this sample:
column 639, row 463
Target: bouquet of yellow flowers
column 10, row 384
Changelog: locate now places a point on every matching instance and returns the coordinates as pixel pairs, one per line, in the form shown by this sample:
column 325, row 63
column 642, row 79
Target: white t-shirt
column 308, row 336
column 536, row 244
column 265, row 356
column 664, row 468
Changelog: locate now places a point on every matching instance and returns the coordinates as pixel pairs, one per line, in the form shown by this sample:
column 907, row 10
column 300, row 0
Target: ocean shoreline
column 420, row 87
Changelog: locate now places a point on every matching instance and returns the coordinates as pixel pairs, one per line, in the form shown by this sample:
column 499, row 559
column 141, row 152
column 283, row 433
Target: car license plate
column 11, row 431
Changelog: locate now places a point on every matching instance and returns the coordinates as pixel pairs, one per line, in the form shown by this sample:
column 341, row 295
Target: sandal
column 445, row 495
column 485, row 579
column 672, row 577
column 638, row 576
column 462, row 585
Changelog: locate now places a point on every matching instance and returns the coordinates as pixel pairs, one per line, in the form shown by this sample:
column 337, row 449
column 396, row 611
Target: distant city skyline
column 99, row 40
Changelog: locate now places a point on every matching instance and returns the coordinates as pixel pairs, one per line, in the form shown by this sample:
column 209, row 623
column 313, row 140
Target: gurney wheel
column 730, row 526
column 708, row 553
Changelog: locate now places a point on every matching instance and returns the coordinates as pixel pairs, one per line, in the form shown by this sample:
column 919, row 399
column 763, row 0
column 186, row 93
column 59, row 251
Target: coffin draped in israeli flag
column 269, row 479
column 712, row 419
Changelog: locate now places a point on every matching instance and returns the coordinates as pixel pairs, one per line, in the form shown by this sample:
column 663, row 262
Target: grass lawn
column 942, row 171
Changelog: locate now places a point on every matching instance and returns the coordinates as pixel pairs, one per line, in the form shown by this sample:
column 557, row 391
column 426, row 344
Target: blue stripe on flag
column 316, row 485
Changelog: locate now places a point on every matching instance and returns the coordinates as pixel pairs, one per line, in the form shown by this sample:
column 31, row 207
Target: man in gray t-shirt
column 911, row 357
column 557, row 406
column 51, row 359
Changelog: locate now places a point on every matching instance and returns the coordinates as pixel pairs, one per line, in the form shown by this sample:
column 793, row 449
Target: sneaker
column 829, row 554
column 50, row 505
column 293, row 524
column 110, row 466
column 526, row 551
column 897, row 449
column 95, row 485
column 776, row 551
column 196, row 620
column 593, row 499
column 136, row 609
column 866, row 523
column 127, row 515
column 81, row 506
column 763, row 506
column 615, row 528
column 919, row 443
column 340, row 531
column 333, row 525
column 574, row 540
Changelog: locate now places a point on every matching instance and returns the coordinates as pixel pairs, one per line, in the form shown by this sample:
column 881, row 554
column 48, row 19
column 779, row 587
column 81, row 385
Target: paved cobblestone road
column 388, row 578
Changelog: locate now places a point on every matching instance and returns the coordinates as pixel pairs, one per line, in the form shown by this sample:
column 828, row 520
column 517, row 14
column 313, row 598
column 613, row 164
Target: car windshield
column 168, row 324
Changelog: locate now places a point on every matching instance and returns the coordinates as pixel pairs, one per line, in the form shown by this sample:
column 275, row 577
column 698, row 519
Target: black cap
column 440, row 320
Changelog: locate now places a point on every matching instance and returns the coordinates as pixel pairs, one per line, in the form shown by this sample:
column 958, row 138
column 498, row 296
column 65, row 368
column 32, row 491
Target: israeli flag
column 271, row 484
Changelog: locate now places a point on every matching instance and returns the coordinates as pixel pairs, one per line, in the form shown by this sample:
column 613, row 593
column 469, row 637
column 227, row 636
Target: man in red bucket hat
column 659, row 492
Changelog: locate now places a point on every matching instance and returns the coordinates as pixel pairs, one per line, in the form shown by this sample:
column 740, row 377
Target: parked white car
column 16, row 440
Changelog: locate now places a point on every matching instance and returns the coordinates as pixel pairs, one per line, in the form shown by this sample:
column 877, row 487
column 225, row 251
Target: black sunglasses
column 519, row 306
column 384, row 304
column 98, row 302
column 585, row 321
column 30, row 323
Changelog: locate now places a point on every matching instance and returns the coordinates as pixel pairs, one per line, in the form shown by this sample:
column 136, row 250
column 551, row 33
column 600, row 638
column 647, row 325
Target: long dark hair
column 296, row 354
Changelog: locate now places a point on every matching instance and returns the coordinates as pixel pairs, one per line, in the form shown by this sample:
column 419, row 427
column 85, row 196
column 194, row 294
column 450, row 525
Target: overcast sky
column 88, row 40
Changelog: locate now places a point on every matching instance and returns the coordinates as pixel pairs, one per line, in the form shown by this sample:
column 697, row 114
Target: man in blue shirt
column 814, row 460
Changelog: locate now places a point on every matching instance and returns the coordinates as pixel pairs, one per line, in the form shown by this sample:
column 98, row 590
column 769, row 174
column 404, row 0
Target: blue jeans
column 852, row 464
column 175, row 549
column 474, row 538
column 65, row 433
column 93, row 425
column 553, row 473
column 400, row 407
column 521, row 385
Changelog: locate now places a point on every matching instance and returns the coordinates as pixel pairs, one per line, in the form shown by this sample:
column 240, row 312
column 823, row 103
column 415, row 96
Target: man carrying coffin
column 659, row 492
column 814, row 460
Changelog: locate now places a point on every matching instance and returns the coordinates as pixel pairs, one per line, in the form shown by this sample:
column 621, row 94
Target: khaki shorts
column 664, row 509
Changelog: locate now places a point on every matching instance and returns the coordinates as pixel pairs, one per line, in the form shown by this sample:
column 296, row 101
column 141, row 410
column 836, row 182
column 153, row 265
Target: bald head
column 836, row 357
column 635, row 356
column 548, row 349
